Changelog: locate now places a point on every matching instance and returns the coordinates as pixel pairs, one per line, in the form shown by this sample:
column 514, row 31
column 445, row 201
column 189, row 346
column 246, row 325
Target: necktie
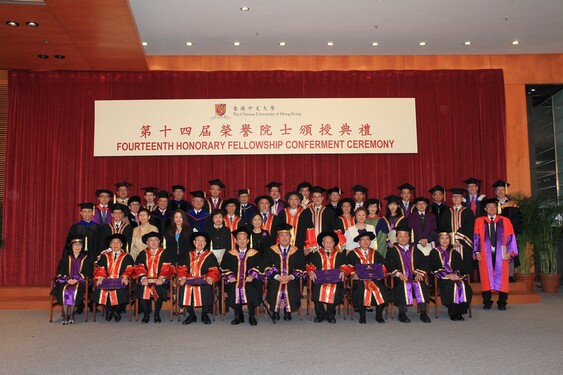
column 493, row 233
column 265, row 218
column 473, row 205
column 284, row 252
column 104, row 213
column 114, row 257
column 117, row 226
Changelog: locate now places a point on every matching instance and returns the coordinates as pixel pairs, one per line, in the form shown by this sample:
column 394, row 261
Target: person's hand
column 418, row 277
column 72, row 281
column 248, row 279
column 402, row 277
column 354, row 276
column 423, row 242
column 507, row 256
column 342, row 276
column 209, row 280
column 145, row 282
column 159, row 281
column 478, row 257
column 125, row 280
column 312, row 275
column 182, row 281
column 99, row 280
column 452, row 277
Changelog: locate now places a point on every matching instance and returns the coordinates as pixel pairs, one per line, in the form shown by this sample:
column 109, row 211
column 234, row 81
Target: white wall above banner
column 255, row 126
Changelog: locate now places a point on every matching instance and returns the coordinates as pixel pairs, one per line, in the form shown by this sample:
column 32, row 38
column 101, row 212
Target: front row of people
column 283, row 266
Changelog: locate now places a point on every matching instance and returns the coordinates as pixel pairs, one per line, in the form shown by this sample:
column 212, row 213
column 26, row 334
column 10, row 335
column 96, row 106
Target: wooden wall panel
column 522, row 69
column 360, row 62
column 517, row 148
column 449, row 61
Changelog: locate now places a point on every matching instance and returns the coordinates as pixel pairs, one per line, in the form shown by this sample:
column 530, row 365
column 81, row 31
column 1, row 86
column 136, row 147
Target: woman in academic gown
column 260, row 239
column 178, row 236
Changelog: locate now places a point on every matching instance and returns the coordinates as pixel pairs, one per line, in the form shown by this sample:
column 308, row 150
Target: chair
column 310, row 300
column 130, row 304
column 53, row 302
column 437, row 294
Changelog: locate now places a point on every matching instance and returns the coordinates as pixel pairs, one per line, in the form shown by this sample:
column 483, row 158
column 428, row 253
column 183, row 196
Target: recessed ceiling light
column 32, row 24
column 60, row 57
column 422, row 43
column 236, row 43
column 468, row 43
column 145, row 44
column 245, row 9
column 12, row 23
column 282, row 43
column 515, row 42
column 375, row 44
column 330, row 44
column 189, row 44
column 43, row 56
column 532, row 90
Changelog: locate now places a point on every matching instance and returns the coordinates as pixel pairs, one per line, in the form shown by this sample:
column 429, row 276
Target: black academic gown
column 300, row 222
column 123, row 266
column 108, row 229
column 438, row 209
column 235, row 270
column 220, row 237
column 179, row 249
column 461, row 222
column 395, row 263
column 165, row 262
column 91, row 232
column 183, row 205
column 375, row 290
column 261, row 241
column 276, row 264
column 337, row 259
column 328, row 219
column 64, row 273
column 205, row 265
column 246, row 213
column 161, row 220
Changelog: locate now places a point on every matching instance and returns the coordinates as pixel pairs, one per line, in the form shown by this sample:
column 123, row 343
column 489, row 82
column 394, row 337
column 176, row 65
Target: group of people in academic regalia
column 265, row 252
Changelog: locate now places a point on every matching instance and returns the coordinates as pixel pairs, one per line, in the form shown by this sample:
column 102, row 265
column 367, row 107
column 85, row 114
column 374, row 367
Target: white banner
column 255, row 126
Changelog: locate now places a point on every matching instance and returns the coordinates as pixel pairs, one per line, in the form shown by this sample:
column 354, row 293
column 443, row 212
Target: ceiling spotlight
column 12, row 23
column 330, row 44
column 422, row 43
column 375, row 44
column 32, row 24
column 468, row 43
column 189, row 44
column 43, row 56
column 145, row 44
column 515, row 42
column 244, row 9
column 236, row 43
column 60, row 57
column 532, row 90
column 282, row 44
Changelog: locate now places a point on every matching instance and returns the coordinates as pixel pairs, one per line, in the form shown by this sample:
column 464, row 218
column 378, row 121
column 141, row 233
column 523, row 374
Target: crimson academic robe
column 445, row 262
column 202, row 266
column 322, row 261
column 461, row 223
column 410, row 263
column 233, row 225
column 235, row 267
column 344, row 223
column 367, row 292
column 300, row 222
column 152, row 267
column 108, row 267
column 70, row 267
column 275, row 263
column 494, row 272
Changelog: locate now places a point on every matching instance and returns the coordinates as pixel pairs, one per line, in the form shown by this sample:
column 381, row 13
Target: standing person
column 134, row 204
column 446, row 264
column 296, row 216
column 178, row 201
column 178, row 236
column 137, row 244
column 323, row 218
column 360, row 227
column 162, row 215
column 407, row 191
column 275, row 193
column 408, row 266
column 153, row 268
column 379, row 224
column 214, row 201
column 241, row 269
column 102, row 213
column 366, row 293
column 117, row 225
column 460, row 221
column 304, row 188
column 260, row 239
column 495, row 247
column 423, row 224
column 438, row 201
column 70, row 282
column 264, row 204
column 474, row 200
column 197, row 215
column 86, row 228
column 199, row 263
column 283, row 265
column 326, row 258
column 334, row 195
column 360, row 195
column 393, row 218
column 150, row 196
column 122, row 193
column 246, row 209
column 113, row 264
column 231, row 219
column 346, row 219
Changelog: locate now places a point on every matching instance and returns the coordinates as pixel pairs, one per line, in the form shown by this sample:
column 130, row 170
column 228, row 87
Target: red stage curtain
column 460, row 122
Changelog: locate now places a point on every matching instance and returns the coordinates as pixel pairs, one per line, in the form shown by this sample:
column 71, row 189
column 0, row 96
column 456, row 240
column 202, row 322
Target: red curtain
column 50, row 167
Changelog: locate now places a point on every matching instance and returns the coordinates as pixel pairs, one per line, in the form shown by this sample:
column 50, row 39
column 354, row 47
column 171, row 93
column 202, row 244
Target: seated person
column 70, row 284
column 240, row 268
column 113, row 264
column 198, row 263
column 446, row 264
column 408, row 266
column 153, row 267
column 328, row 257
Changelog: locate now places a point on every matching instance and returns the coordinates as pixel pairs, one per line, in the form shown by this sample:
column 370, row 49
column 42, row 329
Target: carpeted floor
column 524, row 339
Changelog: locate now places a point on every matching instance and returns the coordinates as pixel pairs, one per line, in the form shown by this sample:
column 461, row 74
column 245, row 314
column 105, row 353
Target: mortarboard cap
column 178, row 187
column 261, row 197
column 459, row 191
column 86, row 205
column 198, row 194
column 304, row 184
column 274, row 184
column 133, row 199
column 361, row 188
column 472, row 180
column 406, row 185
column 437, row 188
column 123, row 183
column 421, row 199
column 216, row 182
column 298, row 195
column 102, row 191
column 150, row 189
column 500, row 183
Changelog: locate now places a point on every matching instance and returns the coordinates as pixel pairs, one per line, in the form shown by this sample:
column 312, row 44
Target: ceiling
column 107, row 34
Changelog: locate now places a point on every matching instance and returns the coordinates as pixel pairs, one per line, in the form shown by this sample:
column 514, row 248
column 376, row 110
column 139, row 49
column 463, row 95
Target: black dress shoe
column 190, row 319
column 331, row 319
column 453, row 317
column 362, row 321
column 157, row 319
column 460, row 317
column 205, row 319
column 287, row 316
column 424, row 318
column 403, row 318
column 117, row 316
column 319, row 319
column 146, row 319
column 236, row 321
column 80, row 309
column 109, row 315
column 252, row 320
column 511, row 279
column 276, row 316
column 502, row 308
column 486, row 307
column 379, row 319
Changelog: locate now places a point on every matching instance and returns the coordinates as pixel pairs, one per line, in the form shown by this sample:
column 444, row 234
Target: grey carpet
column 523, row 339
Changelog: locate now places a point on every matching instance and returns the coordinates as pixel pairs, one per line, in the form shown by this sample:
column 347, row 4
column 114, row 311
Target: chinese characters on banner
column 255, row 126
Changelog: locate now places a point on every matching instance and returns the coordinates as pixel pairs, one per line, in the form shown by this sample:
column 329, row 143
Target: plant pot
column 528, row 278
column 550, row 282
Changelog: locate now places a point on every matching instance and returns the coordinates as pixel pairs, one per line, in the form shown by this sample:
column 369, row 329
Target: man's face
column 242, row 240
column 231, row 209
column 86, row 214
column 293, row 201
column 103, row 198
column 199, row 243
column 403, row 238
column 421, row 206
column 117, row 215
column 264, row 205
column 472, row 189
column 438, row 196
column 305, row 192
column 328, row 243
column 284, row 238
column 491, row 209
column 178, row 194
column 215, row 191
column 334, row 197
column 243, row 198
column 364, row 242
column 115, row 245
column 197, row 203
column 318, row 199
column 149, row 197
column 134, row 207
column 500, row 192
column 359, row 196
column 457, row 199
column 122, row 192
column 406, row 194
column 163, row 203
column 153, row 243
column 275, row 193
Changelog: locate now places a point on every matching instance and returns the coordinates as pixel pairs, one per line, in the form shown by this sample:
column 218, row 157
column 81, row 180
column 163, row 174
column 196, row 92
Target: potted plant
column 529, row 209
